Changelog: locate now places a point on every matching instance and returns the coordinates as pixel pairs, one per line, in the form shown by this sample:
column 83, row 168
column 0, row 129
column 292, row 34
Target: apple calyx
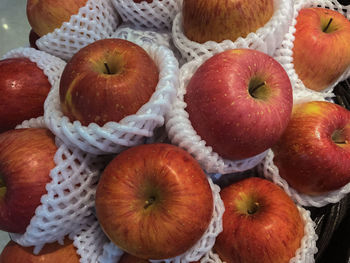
column 257, row 88
column 2, row 188
column 338, row 137
column 325, row 29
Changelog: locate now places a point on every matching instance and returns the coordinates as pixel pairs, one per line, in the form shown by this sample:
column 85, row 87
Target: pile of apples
column 154, row 201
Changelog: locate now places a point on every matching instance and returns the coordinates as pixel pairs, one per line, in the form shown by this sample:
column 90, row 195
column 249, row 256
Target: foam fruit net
column 96, row 20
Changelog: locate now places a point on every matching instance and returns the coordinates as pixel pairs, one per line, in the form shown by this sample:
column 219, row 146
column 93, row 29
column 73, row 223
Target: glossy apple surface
column 218, row 20
column 154, row 201
column 24, row 88
column 260, row 223
column 51, row 253
column 321, row 51
column 26, row 159
column 239, row 101
column 106, row 81
column 44, row 16
column 313, row 154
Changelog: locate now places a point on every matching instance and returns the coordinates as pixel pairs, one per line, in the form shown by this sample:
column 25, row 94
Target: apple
column 44, row 16
column 51, row 253
column 218, row 20
column 33, row 37
column 26, row 159
column 24, row 88
column 313, row 154
column 127, row 258
column 239, row 101
column 260, row 223
column 154, row 201
column 106, row 81
column 321, row 51
column 148, row 1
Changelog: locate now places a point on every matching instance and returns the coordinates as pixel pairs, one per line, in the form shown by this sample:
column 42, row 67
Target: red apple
column 26, row 159
column 217, row 20
column 260, row 223
column 154, row 201
column 51, row 253
column 321, row 51
column 239, row 101
column 33, row 37
column 44, row 16
column 106, row 81
column 313, row 154
column 24, row 88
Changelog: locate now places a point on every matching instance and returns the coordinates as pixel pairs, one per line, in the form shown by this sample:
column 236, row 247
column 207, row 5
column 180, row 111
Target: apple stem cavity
column 149, row 202
column 254, row 207
column 253, row 88
column 107, row 68
column 338, row 138
column 327, row 26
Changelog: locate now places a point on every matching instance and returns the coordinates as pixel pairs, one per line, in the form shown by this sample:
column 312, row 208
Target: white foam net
column 270, row 171
column 114, row 137
column 204, row 245
column 284, row 54
column 181, row 132
column 156, row 15
column 304, row 254
column 68, row 204
column 265, row 39
column 96, row 20
column 51, row 66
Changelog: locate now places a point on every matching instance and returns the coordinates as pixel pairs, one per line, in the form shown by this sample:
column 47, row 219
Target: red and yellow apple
column 321, row 51
column 44, row 16
column 217, row 20
column 260, row 223
column 106, row 81
column 154, row 201
column 24, row 88
column 26, row 159
column 313, row 154
column 51, row 253
column 239, row 101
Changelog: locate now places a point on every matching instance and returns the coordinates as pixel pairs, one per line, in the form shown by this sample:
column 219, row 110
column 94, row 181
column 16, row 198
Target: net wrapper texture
column 132, row 130
column 181, row 132
column 156, row 15
column 96, row 20
column 199, row 250
column 284, row 53
column 265, row 39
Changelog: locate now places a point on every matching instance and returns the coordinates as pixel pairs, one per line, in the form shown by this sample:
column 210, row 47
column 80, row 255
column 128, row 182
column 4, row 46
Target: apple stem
column 253, row 89
column 327, row 26
column 107, row 68
column 149, row 202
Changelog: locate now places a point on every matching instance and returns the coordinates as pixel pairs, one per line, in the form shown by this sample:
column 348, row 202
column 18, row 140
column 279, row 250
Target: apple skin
column 51, row 253
column 226, row 112
column 26, row 159
column 313, row 154
column 44, row 16
column 260, row 223
column 151, row 195
column 89, row 94
column 218, row 20
column 331, row 48
column 24, row 88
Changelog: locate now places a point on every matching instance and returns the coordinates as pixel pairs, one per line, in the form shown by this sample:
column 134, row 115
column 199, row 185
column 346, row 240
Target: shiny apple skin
column 224, row 114
column 51, row 253
column 89, row 95
column 178, row 217
column 24, row 88
column 218, row 20
column 271, row 235
column 26, row 159
column 306, row 155
column 44, row 16
column 320, row 58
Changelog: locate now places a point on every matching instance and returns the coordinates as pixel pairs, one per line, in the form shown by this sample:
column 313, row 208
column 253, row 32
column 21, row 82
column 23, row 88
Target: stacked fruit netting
column 68, row 208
